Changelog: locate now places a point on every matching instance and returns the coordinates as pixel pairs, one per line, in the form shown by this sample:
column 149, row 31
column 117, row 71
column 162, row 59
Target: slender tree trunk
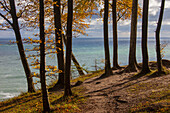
column 108, row 70
column 59, row 42
column 159, row 59
column 20, row 47
column 76, row 63
column 132, row 67
column 145, row 65
column 67, row 87
column 115, row 42
column 46, row 105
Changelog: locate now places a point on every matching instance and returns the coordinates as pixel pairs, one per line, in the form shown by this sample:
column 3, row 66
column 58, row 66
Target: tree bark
column 16, row 29
column 132, row 67
column 145, row 65
column 159, row 59
column 67, row 87
column 46, row 105
column 115, row 42
column 59, row 42
column 108, row 70
column 76, row 63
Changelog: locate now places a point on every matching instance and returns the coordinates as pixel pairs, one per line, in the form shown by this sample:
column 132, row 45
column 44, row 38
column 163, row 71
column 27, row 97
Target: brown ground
column 120, row 93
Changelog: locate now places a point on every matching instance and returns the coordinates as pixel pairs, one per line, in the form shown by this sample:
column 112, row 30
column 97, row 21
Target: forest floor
column 128, row 92
column 118, row 93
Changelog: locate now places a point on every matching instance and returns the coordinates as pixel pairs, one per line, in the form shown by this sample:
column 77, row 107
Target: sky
column 96, row 24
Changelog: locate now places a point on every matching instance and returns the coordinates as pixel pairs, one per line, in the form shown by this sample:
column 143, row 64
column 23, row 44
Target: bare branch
column 121, row 15
column 21, row 14
column 24, row 10
column 6, row 19
column 5, row 7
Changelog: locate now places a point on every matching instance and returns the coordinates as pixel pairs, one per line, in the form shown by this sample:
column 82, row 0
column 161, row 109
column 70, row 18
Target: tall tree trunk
column 76, row 63
column 145, row 65
column 159, row 59
column 59, row 42
column 115, row 42
column 132, row 67
column 20, row 47
column 46, row 105
column 67, row 87
column 108, row 70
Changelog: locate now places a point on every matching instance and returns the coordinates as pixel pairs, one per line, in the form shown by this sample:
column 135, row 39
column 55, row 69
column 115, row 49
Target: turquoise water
column 86, row 50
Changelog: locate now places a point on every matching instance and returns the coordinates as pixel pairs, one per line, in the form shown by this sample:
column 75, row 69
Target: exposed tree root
column 56, row 87
column 129, row 69
column 116, row 67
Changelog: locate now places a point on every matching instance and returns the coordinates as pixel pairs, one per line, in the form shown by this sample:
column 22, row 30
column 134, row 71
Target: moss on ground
column 156, row 102
column 155, row 97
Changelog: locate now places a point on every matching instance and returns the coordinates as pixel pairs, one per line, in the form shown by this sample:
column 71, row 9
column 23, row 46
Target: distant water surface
column 87, row 51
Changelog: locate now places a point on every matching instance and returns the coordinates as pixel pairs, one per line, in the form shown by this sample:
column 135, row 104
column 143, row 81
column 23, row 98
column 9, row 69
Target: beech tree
column 67, row 87
column 9, row 12
column 31, row 18
column 59, row 41
column 121, row 10
column 145, row 64
column 115, row 41
column 159, row 59
column 132, row 66
column 46, row 105
column 108, row 70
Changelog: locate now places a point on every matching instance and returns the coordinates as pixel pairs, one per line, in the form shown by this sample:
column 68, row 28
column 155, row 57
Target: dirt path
column 119, row 93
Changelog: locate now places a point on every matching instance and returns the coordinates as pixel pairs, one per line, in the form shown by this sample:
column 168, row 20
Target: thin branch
column 24, row 10
column 20, row 14
column 6, row 8
column 6, row 19
column 121, row 15
column 6, row 5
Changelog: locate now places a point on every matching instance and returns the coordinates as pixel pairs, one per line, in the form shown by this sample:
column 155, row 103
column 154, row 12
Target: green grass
column 156, row 97
column 32, row 102
column 156, row 102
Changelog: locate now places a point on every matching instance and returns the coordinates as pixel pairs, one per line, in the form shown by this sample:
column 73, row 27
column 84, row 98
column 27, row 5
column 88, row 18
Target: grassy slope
column 153, row 95
column 32, row 102
column 157, row 100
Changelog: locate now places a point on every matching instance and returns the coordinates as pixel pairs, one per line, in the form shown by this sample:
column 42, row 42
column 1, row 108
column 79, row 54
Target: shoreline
column 99, row 95
column 151, row 63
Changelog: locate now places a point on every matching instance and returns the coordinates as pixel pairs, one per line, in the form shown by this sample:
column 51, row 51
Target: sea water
column 88, row 51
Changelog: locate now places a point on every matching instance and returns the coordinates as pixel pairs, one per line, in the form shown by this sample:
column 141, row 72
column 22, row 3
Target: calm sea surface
column 87, row 51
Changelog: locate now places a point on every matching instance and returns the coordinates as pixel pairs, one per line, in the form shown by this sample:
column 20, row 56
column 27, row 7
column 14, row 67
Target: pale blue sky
column 96, row 27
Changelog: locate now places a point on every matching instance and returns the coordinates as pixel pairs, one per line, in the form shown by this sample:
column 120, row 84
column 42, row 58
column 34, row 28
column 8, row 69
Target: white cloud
column 124, row 23
column 2, row 20
column 96, row 24
column 167, row 3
